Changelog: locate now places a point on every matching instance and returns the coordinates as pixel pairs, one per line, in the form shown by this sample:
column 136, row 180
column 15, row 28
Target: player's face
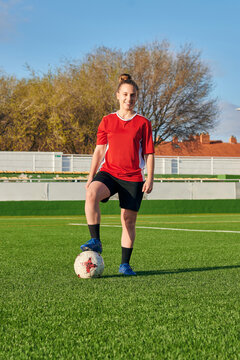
column 127, row 97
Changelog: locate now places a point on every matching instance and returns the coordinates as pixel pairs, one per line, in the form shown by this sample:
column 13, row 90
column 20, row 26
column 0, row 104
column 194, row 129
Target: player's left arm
column 148, row 185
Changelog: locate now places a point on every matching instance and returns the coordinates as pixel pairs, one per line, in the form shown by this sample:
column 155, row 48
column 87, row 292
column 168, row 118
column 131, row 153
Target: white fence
column 76, row 191
column 57, row 162
column 197, row 165
column 30, row 161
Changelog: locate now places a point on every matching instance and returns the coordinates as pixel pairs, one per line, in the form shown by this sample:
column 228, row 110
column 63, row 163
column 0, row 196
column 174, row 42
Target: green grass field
column 184, row 303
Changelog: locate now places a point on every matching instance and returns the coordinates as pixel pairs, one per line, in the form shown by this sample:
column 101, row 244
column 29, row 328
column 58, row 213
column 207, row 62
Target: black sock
column 126, row 255
column 94, row 231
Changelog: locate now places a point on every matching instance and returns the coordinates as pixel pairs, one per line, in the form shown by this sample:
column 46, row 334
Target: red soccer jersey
column 127, row 143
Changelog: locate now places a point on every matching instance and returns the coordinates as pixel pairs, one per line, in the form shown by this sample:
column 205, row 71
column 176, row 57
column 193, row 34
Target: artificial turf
column 183, row 304
column 157, row 207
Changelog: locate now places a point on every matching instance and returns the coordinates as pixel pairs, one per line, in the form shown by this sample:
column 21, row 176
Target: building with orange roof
column 199, row 145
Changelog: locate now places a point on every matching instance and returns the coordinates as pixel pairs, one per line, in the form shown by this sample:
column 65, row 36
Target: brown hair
column 126, row 79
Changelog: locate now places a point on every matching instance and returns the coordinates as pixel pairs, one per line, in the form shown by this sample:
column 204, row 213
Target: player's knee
column 128, row 220
column 91, row 196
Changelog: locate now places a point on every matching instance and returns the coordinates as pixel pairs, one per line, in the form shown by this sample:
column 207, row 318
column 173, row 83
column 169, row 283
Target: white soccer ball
column 89, row 264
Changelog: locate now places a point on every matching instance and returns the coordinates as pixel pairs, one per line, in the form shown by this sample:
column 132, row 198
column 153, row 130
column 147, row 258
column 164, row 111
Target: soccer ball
column 89, row 264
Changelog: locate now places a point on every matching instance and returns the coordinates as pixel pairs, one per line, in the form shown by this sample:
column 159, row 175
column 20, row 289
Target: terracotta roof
column 196, row 148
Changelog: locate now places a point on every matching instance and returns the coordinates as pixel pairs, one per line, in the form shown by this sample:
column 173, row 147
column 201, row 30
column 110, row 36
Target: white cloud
column 229, row 123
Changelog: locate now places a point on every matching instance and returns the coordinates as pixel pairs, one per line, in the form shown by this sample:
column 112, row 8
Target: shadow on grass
column 177, row 271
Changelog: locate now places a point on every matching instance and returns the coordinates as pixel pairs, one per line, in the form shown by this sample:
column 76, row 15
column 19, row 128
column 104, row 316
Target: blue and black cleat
column 92, row 245
column 126, row 269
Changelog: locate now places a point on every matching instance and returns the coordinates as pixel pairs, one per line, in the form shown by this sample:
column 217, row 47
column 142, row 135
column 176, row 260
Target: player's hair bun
column 124, row 77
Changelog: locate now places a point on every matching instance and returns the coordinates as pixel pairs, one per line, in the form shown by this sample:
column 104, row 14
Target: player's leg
column 96, row 192
column 128, row 220
column 130, row 196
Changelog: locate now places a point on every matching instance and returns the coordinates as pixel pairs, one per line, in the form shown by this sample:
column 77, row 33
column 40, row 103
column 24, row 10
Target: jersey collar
column 125, row 119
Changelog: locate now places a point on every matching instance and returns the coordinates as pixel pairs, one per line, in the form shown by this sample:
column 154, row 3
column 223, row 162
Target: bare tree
column 174, row 90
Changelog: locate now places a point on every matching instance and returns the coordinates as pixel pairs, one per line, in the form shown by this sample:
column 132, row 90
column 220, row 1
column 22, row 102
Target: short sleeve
column 147, row 144
column 102, row 134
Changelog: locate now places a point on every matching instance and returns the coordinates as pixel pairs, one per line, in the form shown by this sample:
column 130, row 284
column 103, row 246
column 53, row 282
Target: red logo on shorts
column 89, row 265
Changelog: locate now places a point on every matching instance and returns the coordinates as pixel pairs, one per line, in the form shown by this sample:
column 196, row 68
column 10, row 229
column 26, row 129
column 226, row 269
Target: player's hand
column 88, row 182
column 147, row 186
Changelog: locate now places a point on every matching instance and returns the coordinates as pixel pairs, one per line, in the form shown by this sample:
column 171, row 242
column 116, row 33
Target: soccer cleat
column 126, row 269
column 92, row 244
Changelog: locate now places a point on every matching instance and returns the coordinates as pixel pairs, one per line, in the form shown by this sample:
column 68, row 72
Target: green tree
column 61, row 110
column 7, row 86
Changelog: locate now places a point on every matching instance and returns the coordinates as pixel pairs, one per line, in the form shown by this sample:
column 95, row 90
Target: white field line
column 36, row 218
column 171, row 229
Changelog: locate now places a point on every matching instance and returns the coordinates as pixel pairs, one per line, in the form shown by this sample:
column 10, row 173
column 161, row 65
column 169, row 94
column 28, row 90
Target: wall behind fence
column 76, row 191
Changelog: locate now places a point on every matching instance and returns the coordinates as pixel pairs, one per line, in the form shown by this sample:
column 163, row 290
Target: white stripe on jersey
column 141, row 160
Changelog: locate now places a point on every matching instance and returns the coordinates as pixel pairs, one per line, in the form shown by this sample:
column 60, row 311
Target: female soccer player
column 124, row 144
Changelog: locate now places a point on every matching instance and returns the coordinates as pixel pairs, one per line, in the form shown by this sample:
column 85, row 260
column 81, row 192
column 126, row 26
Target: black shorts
column 129, row 192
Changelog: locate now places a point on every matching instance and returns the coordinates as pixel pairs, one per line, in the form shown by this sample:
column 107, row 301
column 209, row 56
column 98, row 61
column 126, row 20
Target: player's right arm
column 97, row 158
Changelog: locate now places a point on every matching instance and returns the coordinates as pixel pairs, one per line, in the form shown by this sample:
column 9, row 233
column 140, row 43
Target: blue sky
column 42, row 33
